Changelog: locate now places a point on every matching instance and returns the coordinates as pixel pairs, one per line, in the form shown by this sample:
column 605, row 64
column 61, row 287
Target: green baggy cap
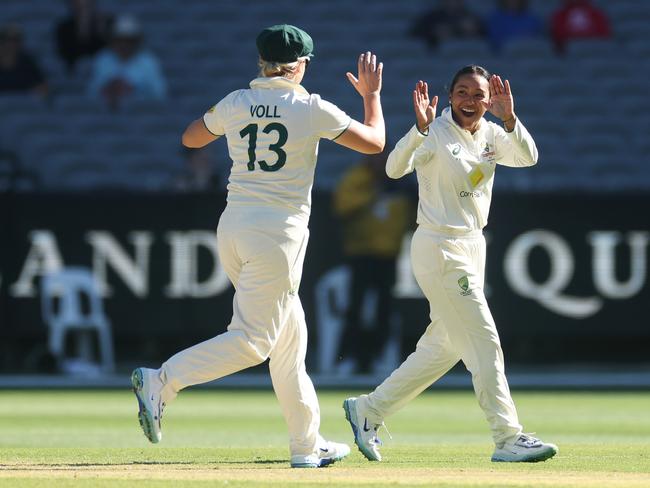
column 284, row 44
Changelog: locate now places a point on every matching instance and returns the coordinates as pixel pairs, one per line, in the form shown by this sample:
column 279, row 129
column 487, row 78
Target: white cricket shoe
column 326, row 454
column 524, row 448
column 365, row 435
column 147, row 387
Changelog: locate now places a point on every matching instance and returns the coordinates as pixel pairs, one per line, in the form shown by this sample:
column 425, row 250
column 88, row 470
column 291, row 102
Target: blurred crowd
column 510, row 20
column 110, row 51
column 120, row 66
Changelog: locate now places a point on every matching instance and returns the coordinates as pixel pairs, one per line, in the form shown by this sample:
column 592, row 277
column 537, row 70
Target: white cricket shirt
column 273, row 130
column 455, row 169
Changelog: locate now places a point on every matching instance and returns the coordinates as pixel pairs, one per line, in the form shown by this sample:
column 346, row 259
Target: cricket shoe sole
column 147, row 416
column 332, row 453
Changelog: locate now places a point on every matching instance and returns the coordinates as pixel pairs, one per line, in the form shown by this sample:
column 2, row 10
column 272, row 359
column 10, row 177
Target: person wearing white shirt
column 272, row 129
column 455, row 157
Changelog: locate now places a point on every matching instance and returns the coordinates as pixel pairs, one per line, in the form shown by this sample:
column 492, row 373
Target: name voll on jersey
column 264, row 111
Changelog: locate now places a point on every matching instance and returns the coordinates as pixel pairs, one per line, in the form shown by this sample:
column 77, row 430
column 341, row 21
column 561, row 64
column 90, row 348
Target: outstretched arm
column 369, row 137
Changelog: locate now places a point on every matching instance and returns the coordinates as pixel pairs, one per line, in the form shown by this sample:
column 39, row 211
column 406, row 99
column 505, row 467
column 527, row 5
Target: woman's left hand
column 501, row 103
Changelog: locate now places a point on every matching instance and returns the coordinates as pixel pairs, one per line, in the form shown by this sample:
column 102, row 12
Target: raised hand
column 501, row 103
column 369, row 77
column 425, row 111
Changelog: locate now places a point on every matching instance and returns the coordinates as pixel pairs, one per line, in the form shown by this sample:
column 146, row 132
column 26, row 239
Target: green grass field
column 238, row 439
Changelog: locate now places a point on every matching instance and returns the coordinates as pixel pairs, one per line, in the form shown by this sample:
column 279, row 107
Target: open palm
column 368, row 80
column 425, row 110
column 501, row 103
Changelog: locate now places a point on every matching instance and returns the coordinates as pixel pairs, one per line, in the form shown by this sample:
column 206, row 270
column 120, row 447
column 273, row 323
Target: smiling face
column 466, row 97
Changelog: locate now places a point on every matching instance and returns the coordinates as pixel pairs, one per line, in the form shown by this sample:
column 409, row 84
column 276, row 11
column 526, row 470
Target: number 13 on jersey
column 250, row 131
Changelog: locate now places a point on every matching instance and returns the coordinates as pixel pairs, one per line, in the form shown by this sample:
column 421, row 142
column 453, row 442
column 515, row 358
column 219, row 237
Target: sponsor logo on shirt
column 455, row 149
column 470, row 194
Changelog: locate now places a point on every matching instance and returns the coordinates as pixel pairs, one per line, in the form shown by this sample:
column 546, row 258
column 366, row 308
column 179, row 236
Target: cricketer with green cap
column 272, row 130
column 284, row 43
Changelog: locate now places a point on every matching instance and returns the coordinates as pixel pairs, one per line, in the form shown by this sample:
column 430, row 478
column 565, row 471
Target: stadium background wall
column 567, row 276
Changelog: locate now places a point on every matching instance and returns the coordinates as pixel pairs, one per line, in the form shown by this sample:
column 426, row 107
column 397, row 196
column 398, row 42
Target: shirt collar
column 277, row 83
column 447, row 115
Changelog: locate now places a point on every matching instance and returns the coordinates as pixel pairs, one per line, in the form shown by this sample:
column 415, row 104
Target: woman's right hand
column 425, row 111
column 369, row 77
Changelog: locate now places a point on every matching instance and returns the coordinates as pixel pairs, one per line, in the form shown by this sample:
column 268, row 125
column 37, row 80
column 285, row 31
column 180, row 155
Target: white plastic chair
column 68, row 285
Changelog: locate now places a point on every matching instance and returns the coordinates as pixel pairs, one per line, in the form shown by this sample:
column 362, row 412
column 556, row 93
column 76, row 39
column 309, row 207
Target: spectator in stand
column 19, row 72
column 451, row 19
column 512, row 19
column 82, row 33
column 578, row 19
column 375, row 213
column 124, row 69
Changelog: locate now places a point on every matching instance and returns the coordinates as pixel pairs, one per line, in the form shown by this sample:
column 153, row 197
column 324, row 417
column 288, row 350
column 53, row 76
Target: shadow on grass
column 24, row 467
column 269, row 461
column 63, row 466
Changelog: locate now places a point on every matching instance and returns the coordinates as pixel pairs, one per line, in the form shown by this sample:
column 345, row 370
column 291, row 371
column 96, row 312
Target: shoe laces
column 376, row 440
column 161, row 407
column 528, row 438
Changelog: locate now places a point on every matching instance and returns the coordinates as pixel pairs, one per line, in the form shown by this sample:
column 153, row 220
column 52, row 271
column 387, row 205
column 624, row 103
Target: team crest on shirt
column 463, row 283
column 488, row 154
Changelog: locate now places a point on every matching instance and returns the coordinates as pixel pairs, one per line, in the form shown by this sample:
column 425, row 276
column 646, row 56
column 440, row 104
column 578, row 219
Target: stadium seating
column 589, row 96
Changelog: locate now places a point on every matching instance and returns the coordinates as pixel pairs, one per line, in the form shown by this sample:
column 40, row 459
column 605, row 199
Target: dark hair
column 471, row 69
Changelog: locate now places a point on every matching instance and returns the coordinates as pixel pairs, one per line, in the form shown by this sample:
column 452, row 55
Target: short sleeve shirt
column 273, row 130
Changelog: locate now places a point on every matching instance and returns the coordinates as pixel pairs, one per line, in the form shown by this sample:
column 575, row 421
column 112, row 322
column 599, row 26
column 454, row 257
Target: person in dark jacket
column 19, row 71
column 82, row 33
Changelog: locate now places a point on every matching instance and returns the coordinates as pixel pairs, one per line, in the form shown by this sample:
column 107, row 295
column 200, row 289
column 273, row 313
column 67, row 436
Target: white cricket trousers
column 262, row 253
column 451, row 273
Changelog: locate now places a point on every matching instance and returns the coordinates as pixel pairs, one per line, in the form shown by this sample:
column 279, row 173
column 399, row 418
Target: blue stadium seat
column 592, row 48
column 465, row 49
column 632, row 29
column 528, row 48
column 79, row 172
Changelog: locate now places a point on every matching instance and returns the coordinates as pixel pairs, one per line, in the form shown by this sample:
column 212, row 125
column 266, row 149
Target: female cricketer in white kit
column 272, row 129
column 455, row 157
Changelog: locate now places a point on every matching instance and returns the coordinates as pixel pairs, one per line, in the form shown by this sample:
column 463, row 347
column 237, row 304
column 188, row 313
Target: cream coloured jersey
column 455, row 169
column 273, row 130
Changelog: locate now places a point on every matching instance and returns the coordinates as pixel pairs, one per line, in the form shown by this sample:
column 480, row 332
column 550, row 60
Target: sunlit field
column 238, row 438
